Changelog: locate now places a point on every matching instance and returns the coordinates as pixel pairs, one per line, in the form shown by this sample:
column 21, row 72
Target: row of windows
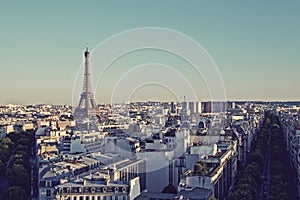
column 96, row 198
column 65, row 190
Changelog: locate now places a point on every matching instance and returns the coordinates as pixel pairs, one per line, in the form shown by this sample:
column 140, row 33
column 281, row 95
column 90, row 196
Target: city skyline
column 254, row 45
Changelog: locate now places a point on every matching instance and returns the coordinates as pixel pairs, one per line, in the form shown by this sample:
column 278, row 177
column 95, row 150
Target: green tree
column 200, row 168
column 254, row 169
column 7, row 141
column 4, row 153
column 241, row 195
column 258, row 157
column 2, row 168
column 15, row 193
column 16, row 173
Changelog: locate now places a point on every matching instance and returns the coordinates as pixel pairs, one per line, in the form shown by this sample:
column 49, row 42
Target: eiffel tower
column 87, row 112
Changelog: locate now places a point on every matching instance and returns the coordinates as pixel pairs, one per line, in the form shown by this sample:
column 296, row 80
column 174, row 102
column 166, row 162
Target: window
column 48, row 183
column 116, row 189
column 48, row 193
column 81, row 198
column 74, row 198
column 87, row 198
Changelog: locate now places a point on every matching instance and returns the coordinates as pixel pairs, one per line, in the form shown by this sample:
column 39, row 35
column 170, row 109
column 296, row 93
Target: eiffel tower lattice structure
column 87, row 112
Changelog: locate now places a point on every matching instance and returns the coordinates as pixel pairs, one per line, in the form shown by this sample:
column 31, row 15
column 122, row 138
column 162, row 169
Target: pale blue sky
column 254, row 43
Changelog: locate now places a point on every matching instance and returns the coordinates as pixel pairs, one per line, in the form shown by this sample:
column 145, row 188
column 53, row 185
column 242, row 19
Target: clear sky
column 254, row 43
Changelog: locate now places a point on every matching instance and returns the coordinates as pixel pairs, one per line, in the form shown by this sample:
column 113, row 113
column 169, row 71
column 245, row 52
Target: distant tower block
column 87, row 110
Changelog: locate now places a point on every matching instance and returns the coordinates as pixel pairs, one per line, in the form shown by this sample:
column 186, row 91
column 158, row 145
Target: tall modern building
column 87, row 113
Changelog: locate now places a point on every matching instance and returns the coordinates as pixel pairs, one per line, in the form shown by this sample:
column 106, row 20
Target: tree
column 254, row 169
column 258, row 157
column 200, row 168
column 7, row 141
column 4, row 153
column 15, row 193
column 18, row 147
column 21, row 147
column 170, row 189
column 2, row 168
column 241, row 195
column 17, row 173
